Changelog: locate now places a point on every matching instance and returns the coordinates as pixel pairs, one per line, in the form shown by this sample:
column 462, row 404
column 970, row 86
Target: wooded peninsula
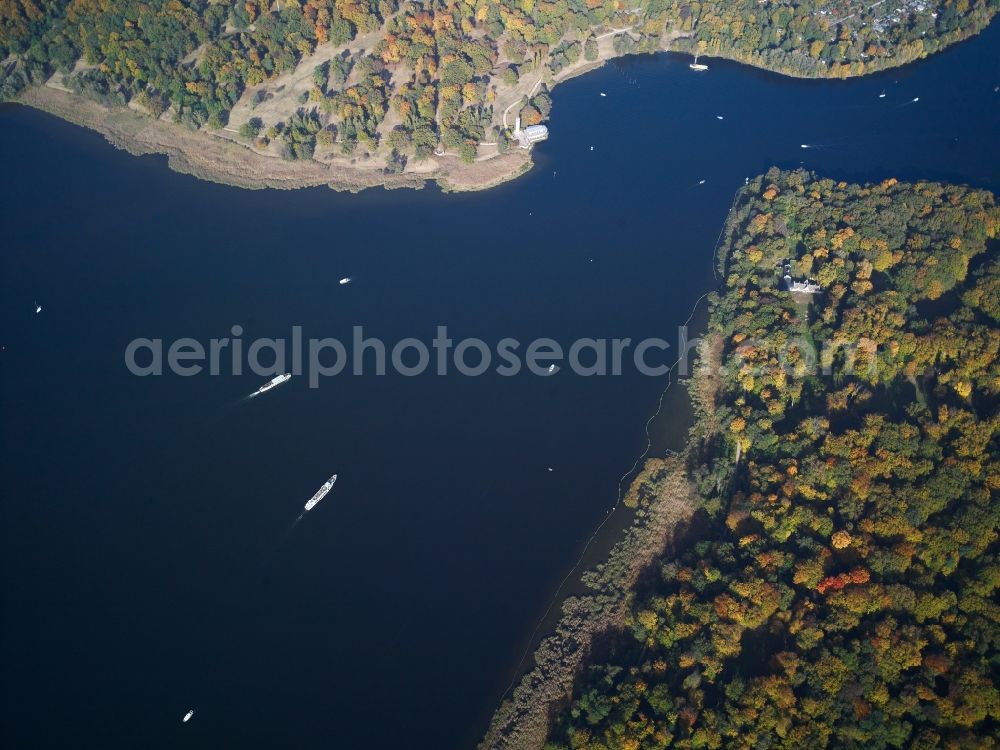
column 834, row 583
column 353, row 93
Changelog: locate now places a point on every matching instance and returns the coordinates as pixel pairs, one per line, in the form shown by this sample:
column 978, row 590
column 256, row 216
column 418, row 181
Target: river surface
column 147, row 562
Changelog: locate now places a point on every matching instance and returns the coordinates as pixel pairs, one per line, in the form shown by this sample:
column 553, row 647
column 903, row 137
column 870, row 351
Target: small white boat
column 804, row 145
column 187, row 716
column 552, row 369
column 719, row 117
column 916, row 99
column 697, row 66
column 38, row 308
column 701, row 182
column 273, row 383
column 345, row 280
column 882, row 95
column 603, row 94
column 591, row 148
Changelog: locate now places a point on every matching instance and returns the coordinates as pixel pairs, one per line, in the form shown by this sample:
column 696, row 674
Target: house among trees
column 809, row 286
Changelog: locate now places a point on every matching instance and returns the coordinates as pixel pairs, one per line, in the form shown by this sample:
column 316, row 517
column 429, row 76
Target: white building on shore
column 530, row 135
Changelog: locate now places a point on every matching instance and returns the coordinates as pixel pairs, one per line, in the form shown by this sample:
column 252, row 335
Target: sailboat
column 697, row 66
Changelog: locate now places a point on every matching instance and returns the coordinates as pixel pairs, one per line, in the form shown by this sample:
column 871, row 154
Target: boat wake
column 228, row 407
column 285, row 536
column 821, row 146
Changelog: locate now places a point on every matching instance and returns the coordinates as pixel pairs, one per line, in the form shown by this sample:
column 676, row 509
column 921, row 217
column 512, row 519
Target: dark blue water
column 142, row 570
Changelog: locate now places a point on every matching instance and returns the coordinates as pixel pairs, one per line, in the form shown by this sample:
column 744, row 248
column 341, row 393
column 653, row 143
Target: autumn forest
column 837, row 587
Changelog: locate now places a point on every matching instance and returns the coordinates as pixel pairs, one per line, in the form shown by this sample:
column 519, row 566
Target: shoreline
column 227, row 162
column 522, row 720
column 944, row 43
column 223, row 160
column 662, row 500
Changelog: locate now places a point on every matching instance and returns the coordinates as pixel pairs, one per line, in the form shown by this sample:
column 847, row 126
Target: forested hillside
column 840, row 587
column 407, row 76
